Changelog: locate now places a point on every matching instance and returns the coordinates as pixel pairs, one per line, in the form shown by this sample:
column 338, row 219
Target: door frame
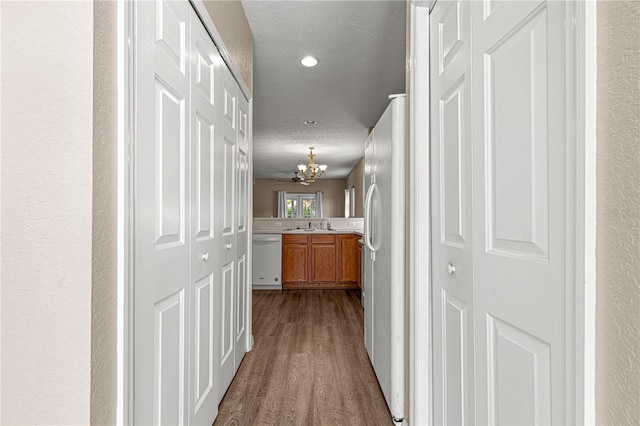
column 126, row 112
column 581, row 61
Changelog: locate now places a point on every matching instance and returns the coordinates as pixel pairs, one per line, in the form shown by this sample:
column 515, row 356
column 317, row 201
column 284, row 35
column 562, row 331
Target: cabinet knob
column 228, row 246
column 451, row 269
column 205, row 256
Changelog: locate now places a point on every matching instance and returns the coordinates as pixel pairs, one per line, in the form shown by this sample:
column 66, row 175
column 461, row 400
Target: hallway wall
column 46, row 211
column 231, row 22
column 618, row 214
column 265, row 195
column 105, row 202
column 356, row 179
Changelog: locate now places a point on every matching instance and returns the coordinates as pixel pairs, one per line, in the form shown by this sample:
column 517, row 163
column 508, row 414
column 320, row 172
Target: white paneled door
column 500, row 135
column 206, row 249
column 522, row 311
column 190, row 207
column 451, row 157
column 229, row 148
column 242, row 230
column 234, row 168
column 162, row 235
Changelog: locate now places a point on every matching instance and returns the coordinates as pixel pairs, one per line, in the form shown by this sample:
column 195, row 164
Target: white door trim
column 126, row 126
column 582, row 51
column 586, row 102
column 420, row 387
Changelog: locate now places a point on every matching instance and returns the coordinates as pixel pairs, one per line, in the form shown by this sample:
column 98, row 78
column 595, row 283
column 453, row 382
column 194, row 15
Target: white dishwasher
column 267, row 262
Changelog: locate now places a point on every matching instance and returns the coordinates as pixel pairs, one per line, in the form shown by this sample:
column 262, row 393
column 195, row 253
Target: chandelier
column 312, row 170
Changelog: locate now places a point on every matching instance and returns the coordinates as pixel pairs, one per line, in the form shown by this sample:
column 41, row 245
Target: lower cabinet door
column 295, row 263
column 348, row 258
column 323, row 263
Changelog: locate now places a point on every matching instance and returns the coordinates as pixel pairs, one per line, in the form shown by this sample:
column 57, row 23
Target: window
column 302, row 206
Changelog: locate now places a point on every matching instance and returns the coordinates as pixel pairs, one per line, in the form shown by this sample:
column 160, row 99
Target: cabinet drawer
column 323, row 239
column 294, row 239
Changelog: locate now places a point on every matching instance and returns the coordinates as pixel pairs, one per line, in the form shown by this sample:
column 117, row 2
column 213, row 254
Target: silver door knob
column 451, row 269
column 228, row 246
column 205, row 256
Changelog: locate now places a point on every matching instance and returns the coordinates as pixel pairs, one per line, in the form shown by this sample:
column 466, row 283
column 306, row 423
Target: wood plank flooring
column 308, row 365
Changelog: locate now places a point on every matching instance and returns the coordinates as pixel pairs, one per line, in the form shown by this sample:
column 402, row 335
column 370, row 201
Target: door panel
column 453, row 167
column 229, row 303
column 161, row 238
column 170, row 165
column 455, row 351
column 229, row 133
column 520, row 171
column 242, row 218
column 169, row 359
column 229, row 159
column 203, row 344
column 452, row 256
column 171, row 27
column 226, row 358
column 206, row 234
column 240, row 321
column 204, row 161
column 517, row 151
column 243, row 193
column 522, row 398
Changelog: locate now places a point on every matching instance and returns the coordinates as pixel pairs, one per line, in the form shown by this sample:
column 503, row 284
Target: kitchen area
column 307, row 253
column 331, row 235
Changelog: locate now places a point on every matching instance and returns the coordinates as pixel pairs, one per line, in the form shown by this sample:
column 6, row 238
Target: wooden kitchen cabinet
column 323, row 258
column 359, row 258
column 320, row 261
column 348, row 271
column 295, row 259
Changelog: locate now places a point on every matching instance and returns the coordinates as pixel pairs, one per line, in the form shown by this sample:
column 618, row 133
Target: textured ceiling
column 361, row 49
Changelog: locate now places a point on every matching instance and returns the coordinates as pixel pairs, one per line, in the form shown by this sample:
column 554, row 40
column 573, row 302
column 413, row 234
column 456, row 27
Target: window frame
column 297, row 199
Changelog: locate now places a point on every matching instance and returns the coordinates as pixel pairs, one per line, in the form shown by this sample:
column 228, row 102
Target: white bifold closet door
column 234, row 165
column 190, row 308
column 452, row 255
column 243, row 159
column 502, row 307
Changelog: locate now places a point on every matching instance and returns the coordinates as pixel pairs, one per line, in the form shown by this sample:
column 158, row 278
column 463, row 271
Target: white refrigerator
column 384, row 245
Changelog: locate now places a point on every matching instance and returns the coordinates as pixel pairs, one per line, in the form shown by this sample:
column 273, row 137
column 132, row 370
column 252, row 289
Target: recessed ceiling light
column 309, row 61
column 309, row 122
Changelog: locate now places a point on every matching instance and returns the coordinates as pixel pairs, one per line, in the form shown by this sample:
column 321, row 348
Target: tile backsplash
column 337, row 223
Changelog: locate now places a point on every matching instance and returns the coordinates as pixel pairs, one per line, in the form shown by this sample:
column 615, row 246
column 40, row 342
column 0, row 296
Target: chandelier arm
column 312, row 170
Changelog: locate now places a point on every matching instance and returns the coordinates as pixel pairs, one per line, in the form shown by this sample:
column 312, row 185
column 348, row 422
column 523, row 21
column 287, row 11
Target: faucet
column 309, row 225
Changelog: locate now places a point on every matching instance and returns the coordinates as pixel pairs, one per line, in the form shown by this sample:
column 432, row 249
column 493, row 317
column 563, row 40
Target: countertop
column 317, row 231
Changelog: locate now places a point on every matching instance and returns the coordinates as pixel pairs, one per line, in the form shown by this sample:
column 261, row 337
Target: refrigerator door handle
column 367, row 218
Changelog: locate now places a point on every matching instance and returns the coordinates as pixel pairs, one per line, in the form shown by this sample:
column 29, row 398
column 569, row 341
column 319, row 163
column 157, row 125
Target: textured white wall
column 46, row 211
column 618, row 214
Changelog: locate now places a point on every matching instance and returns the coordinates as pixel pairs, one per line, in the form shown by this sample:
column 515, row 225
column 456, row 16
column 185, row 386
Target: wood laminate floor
column 308, row 365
